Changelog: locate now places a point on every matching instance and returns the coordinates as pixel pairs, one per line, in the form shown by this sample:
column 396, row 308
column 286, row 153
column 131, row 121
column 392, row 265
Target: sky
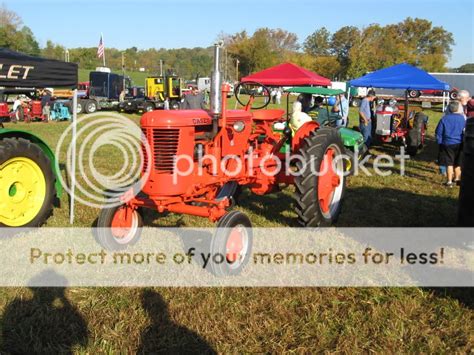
column 185, row 23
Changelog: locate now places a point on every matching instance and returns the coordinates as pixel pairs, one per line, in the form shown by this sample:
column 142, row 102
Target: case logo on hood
column 15, row 71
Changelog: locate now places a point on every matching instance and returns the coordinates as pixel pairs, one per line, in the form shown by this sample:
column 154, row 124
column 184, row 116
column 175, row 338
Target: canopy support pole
column 73, row 157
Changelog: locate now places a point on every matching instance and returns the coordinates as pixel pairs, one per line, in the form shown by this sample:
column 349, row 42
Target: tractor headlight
column 239, row 126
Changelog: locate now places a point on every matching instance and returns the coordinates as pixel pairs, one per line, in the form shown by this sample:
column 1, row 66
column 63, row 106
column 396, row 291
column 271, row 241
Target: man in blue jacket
column 449, row 135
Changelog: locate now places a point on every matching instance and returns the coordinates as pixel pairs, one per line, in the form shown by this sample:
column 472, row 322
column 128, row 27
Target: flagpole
column 103, row 57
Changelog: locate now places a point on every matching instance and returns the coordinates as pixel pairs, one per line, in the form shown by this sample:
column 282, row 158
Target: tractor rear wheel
column 27, row 179
column 320, row 183
column 416, row 135
column 118, row 227
column 231, row 245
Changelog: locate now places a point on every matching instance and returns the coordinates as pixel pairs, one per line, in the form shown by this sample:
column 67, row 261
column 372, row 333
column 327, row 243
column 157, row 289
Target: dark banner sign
column 21, row 70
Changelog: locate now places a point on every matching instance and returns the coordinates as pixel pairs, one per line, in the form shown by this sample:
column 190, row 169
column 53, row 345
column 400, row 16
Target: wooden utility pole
column 237, row 70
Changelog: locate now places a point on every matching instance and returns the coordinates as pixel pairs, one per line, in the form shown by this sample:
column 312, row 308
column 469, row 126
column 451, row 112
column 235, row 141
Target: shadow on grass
column 464, row 295
column 165, row 336
column 386, row 207
column 46, row 324
column 272, row 207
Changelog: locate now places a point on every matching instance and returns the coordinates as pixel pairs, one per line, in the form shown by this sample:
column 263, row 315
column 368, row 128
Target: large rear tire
column 231, row 245
column 27, row 180
column 115, row 231
column 319, row 198
column 416, row 135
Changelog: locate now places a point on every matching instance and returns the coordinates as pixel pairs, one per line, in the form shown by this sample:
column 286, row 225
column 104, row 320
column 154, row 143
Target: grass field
column 263, row 320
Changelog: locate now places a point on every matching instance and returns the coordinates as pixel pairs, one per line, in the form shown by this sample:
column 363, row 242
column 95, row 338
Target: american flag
column 100, row 48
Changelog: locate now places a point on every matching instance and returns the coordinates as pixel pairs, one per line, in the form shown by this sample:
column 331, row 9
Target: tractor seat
column 267, row 115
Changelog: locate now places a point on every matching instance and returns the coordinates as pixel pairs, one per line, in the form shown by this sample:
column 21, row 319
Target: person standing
column 122, row 96
column 166, row 104
column 193, row 101
column 273, row 94
column 365, row 118
column 46, row 104
column 17, row 110
column 470, row 109
column 449, row 136
column 278, row 96
column 463, row 98
column 341, row 107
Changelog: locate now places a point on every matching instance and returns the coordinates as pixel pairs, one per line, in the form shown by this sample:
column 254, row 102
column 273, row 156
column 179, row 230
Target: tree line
column 347, row 53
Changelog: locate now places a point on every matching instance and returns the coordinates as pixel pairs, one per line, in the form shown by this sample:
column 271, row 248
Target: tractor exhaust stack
column 216, row 95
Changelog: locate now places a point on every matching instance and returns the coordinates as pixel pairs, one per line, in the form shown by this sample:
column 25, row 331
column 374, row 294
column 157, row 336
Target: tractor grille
column 164, row 144
column 144, row 154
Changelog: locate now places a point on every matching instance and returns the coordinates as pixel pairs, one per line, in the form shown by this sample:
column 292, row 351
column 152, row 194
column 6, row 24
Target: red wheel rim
column 122, row 222
column 234, row 245
column 328, row 181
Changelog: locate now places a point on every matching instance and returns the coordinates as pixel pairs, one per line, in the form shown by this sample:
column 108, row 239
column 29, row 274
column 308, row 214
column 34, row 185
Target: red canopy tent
column 287, row 74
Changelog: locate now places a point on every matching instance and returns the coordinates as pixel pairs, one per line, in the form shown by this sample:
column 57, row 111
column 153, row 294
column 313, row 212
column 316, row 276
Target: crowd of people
column 450, row 136
column 449, row 132
column 22, row 102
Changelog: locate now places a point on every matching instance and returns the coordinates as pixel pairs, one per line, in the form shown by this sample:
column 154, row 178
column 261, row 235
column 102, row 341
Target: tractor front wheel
column 320, row 183
column 118, row 227
column 231, row 245
column 27, row 180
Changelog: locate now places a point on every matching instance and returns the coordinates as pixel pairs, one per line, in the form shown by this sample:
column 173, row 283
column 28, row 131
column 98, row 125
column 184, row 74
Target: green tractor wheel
column 27, row 184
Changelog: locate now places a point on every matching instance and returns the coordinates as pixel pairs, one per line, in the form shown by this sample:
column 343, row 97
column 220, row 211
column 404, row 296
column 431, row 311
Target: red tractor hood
column 185, row 118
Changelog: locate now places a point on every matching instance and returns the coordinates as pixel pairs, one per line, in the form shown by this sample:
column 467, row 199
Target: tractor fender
column 303, row 132
column 14, row 133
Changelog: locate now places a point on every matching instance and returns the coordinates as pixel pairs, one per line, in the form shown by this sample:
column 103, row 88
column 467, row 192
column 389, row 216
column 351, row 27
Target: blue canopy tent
column 401, row 76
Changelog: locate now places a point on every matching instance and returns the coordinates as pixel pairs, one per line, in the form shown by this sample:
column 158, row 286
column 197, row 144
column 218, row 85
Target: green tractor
column 353, row 141
column 29, row 180
column 29, row 177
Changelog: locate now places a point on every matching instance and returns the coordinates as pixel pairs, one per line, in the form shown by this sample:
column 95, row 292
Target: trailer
column 457, row 81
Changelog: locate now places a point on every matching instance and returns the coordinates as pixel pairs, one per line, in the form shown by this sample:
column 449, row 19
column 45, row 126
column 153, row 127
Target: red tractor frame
column 208, row 189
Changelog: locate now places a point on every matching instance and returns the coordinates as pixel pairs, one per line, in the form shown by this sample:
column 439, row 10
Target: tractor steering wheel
column 252, row 89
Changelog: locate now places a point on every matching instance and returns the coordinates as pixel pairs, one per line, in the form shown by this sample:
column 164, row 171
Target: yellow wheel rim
column 22, row 191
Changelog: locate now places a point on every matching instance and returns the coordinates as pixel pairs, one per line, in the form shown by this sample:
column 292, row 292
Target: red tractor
column 226, row 150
